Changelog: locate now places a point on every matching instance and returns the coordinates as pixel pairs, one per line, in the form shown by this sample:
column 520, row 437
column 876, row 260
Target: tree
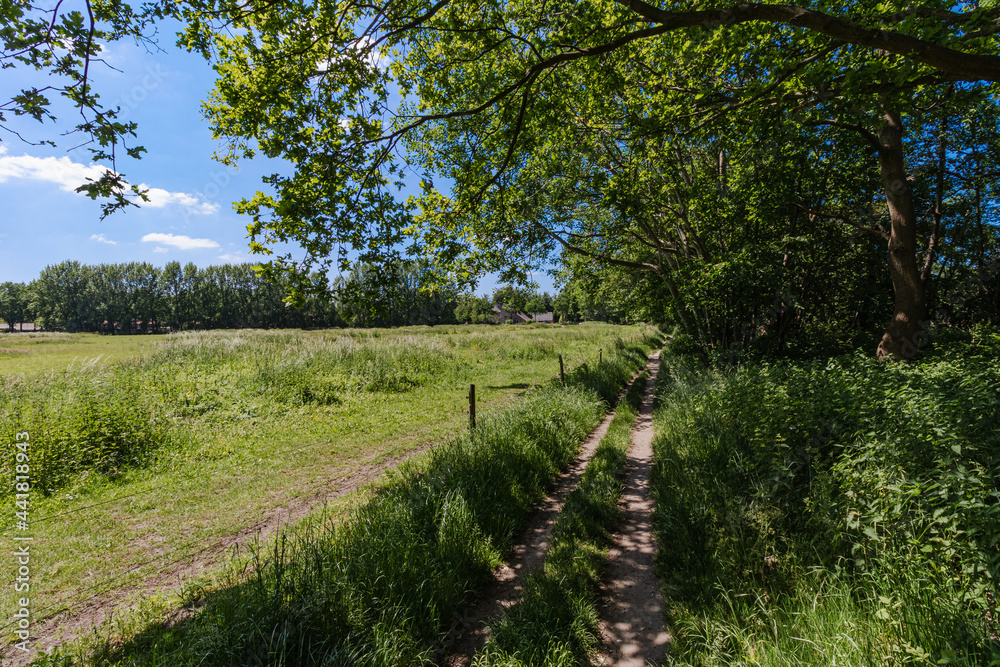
column 536, row 304
column 62, row 297
column 473, row 310
column 13, row 303
column 64, row 46
column 490, row 93
column 511, row 298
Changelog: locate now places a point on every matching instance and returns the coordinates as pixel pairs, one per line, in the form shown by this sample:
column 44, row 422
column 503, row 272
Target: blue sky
column 190, row 217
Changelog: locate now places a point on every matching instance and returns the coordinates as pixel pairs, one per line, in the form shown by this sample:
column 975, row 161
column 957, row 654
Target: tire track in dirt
column 469, row 632
column 93, row 611
column 632, row 615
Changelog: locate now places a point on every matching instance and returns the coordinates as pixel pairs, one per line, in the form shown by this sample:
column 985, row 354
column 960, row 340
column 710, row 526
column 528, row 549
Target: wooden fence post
column 472, row 407
column 562, row 373
column 600, row 356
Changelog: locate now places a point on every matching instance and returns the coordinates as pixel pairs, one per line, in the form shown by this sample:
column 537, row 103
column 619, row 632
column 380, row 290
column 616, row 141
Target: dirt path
column 632, row 617
column 469, row 633
column 102, row 606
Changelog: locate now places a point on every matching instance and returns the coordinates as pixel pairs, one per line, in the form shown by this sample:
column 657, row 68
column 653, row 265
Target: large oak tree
column 491, row 92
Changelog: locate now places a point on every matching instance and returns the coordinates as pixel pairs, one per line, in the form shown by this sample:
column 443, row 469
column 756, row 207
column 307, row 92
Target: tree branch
column 970, row 66
column 843, row 218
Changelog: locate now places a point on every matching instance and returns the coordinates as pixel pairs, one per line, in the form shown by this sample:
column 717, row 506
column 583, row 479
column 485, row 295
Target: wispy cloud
column 160, row 248
column 69, row 175
column 179, row 241
column 101, row 238
column 234, row 257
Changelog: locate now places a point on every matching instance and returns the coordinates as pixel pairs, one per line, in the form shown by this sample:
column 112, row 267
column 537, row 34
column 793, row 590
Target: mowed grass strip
column 378, row 587
column 555, row 623
column 28, row 353
column 237, row 448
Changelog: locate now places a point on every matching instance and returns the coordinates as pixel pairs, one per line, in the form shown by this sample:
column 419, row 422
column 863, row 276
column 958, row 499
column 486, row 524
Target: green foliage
column 882, row 476
column 711, row 167
column 100, row 421
column 395, row 294
column 473, row 310
column 14, row 306
column 55, row 51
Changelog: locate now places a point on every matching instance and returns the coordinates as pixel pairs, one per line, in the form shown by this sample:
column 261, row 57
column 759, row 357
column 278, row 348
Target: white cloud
column 234, row 257
column 70, row 175
column 158, row 198
column 179, row 241
column 160, row 249
column 101, row 238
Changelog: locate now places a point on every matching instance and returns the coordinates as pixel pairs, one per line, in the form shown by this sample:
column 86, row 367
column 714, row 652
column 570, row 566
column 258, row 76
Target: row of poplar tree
column 138, row 297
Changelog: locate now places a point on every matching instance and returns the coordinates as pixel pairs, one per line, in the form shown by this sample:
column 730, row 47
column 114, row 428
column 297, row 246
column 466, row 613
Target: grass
column 237, row 449
column 379, row 586
column 35, row 352
column 555, row 621
column 832, row 511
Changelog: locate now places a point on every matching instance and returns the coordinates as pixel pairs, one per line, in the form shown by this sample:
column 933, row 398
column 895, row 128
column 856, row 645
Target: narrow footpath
column 469, row 633
column 632, row 615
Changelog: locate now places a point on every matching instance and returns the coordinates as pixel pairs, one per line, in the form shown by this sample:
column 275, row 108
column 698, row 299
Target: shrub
column 882, row 476
column 79, row 421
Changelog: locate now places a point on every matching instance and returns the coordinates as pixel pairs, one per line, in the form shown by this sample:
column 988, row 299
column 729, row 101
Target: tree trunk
column 905, row 333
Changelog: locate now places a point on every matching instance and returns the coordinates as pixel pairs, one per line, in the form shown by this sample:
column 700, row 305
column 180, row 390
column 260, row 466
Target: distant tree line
column 138, row 297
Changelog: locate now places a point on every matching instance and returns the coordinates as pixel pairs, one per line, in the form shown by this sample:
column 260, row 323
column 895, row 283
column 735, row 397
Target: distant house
column 546, row 318
column 516, row 317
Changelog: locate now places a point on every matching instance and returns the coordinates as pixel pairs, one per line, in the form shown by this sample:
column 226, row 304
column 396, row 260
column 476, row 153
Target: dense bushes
column 99, row 420
column 884, row 477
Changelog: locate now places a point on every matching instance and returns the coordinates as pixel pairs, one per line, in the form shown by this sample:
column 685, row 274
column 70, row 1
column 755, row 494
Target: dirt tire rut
column 469, row 633
column 632, row 616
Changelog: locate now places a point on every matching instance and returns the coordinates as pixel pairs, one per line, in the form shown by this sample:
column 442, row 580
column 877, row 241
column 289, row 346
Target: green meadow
column 146, row 451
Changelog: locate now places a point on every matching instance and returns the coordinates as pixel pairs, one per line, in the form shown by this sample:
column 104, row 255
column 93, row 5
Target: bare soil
column 470, row 632
column 632, row 616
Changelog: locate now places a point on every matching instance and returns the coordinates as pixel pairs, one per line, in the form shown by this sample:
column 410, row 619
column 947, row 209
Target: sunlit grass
column 236, row 451
column 379, row 587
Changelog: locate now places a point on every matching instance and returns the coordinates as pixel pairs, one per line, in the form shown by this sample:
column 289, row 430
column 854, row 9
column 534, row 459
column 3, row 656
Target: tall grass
column 96, row 419
column 555, row 621
column 832, row 509
column 380, row 587
column 88, row 420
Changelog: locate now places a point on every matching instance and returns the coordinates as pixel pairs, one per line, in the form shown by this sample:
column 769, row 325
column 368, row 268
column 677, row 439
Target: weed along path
column 470, row 632
column 162, row 566
column 632, row 618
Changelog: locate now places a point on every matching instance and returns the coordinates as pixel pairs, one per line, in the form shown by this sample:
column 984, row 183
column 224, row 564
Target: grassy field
column 834, row 511
column 160, row 449
column 33, row 352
